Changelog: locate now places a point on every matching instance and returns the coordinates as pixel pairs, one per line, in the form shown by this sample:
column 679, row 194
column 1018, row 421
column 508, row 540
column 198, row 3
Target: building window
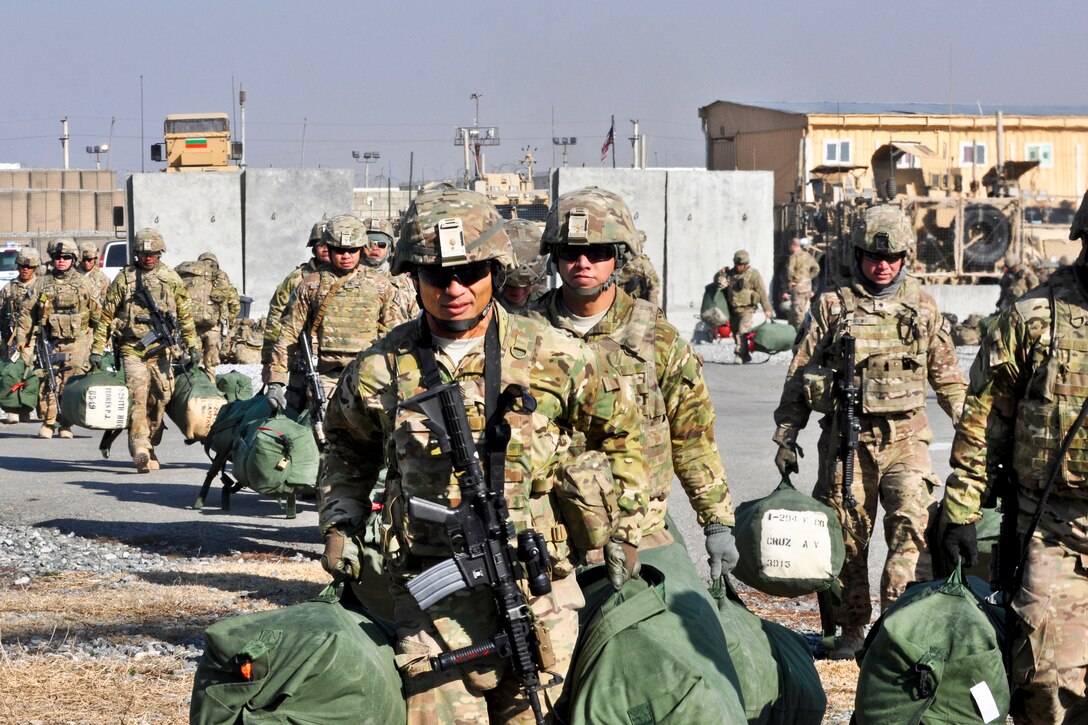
column 837, row 152
column 1041, row 152
column 907, row 161
column 972, row 154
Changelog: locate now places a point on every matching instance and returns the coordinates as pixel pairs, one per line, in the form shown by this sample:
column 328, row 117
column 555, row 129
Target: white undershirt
column 456, row 350
column 582, row 325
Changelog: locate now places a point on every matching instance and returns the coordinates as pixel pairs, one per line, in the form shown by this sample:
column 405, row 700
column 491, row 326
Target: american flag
column 608, row 141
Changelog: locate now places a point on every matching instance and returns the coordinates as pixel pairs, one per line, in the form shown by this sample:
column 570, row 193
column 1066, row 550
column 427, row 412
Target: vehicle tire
column 987, row 233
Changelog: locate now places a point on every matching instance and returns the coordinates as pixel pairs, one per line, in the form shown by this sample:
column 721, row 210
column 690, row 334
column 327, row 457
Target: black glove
column 194, row 358
column 96, row 361
column 960, row 541
column 786, row 460
column 277, row 395
column 721, row 550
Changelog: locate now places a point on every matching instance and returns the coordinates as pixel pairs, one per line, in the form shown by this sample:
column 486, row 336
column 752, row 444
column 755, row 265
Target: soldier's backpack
column 778, row 679
column 315, row 662
column 790, row 544
column 276, row 456
column 935, row 655
column 97, row 400
column 772, row 337
column 234, row 385
column 200, row 279
column 195, row 403
column 18, row 386
column 715, row 308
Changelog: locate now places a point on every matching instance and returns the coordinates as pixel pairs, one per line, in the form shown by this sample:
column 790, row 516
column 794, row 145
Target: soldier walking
column 13, row 297
column 213, row 303
column 454, row 246
column 801, row 269
column 64, row 312
column 744, row 291
column 88, row 267
column 148, row 360
column 590, row 235
column 901, row 340
column 379, row 234
column 1027, row 387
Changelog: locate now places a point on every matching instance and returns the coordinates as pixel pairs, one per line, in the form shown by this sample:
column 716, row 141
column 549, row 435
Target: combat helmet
column 448, row 226
column 345, row 231
column 28, row 257
column 64, row 245
column 210, row 258
column 377, row 231
column 883, row 229
column 1079, row 228
column 525, row 238
column 742, row 257
column 148, row 241
column 592, row 216
column 88, row 250
column 317, row 234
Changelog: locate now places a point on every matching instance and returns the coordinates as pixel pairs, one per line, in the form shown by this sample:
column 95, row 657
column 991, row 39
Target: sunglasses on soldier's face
column 877, row 257
column 594, row 253
column 343, row 250
column 58, row 257
column 466, row 274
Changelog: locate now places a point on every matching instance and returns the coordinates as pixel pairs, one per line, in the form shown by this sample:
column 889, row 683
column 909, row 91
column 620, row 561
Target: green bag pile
column 935, row 655
column 233, row 418
column 18, row 386
column 315, row 662
column 790, row 544
column 234, row 386
column 97, row 400
column 276, row 457
column 195, row 403
column 772, row 337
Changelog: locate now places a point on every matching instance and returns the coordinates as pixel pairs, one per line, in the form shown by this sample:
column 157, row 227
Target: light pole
column 476, row 118
column 564, row 141
column 97, row 151
column 366, row 158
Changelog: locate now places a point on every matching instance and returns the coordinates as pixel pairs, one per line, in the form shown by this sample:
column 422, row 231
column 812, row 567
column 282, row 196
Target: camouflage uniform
column 801, row 269
column 1026, row 389
column 901, row 341
column 639, row 279
column 15, row 295
column 368, row 429
column 531, row 265
column 282, row 296
column 1017, row 280
column 213, row 303
column 150, row 380
column 380, row 230
column 744, row 291
column 63, row 307
column 98, row 279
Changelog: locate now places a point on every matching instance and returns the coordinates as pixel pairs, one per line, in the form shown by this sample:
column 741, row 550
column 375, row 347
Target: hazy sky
column 396, row 77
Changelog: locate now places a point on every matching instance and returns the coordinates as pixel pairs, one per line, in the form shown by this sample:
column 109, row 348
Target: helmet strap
column 462, row 325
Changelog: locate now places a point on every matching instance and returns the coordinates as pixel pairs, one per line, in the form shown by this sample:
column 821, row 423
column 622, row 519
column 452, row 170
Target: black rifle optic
column 480, row 531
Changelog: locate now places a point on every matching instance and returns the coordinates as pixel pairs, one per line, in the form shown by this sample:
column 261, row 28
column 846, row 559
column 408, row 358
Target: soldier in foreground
column 136, row 294
column 745, row 291
column 454, row 246
column 13, row 297
column 590, row 235
column 88, row 267
column 1017, row 280
column 801, row 269
column 63, row 312
column 1023, row 401
column 526, row 282
column 319, row 255
column 901, row 340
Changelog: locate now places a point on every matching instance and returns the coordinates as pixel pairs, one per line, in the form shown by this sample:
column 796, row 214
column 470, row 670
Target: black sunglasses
column 343, row 250
column 466, row 274
column 594, row 252
column 69, row 257
column 877, row 257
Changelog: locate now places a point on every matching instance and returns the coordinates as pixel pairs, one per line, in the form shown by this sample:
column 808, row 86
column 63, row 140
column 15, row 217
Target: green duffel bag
column 18, row 386
column 790, row 544
column 778, row 679
column 97, row 400
column 276, row 457
column 195, row 404
column 772, row 337
column 234, row 386
column 651, row 655
column 315, row 662
column 232, row 419
column 935, row 656
column 714, row 310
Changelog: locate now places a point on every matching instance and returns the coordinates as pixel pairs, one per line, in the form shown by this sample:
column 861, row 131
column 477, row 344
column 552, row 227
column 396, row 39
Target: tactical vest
column 158, row 285
column 421, row 469
column 200, row 279
column 891, row 349
column 741, row 292
column 1052, row 400
column 348, row 317
column 65, row 303
column 631, row 352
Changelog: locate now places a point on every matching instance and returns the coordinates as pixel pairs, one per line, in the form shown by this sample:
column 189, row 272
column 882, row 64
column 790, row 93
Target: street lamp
column 564, row 141
column 366, row 158
column 98, row 151
column 476, row 118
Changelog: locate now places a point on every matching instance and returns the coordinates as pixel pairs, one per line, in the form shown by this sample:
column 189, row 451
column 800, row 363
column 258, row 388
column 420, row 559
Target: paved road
column 67, row 484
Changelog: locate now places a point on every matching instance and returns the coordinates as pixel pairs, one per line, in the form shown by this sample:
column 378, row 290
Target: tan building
column 857, row 146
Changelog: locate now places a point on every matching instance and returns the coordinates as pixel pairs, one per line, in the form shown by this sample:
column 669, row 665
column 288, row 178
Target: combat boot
column 142, row 460
column 153, row 462
column 46, row 431
column 65, row 432
column 847, row 643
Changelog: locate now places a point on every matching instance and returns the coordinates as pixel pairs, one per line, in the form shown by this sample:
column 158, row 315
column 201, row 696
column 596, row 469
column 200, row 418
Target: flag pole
column 613, row 142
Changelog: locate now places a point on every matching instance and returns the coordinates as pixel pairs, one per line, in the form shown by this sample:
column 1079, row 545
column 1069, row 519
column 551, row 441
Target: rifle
column 316, row 388
column 480, row 530
column 165, row 332
column 7, row 326
column 47, row 359
column 849, row 425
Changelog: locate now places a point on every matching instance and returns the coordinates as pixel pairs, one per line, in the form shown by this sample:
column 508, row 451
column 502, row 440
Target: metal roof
column 915, row 109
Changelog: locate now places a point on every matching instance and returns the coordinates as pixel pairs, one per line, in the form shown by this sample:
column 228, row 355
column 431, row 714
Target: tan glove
column 341, row 557
column 622, row 562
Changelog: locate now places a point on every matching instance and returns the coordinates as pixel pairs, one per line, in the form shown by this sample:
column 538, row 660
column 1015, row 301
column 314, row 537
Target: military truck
column 197, row 142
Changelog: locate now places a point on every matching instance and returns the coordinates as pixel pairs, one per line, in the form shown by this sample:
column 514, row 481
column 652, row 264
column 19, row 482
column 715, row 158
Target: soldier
column 379, row 232
column 590, row 235
column 901, row 341
column 1017, row 280
column 64, row 310
column 638, row 277
column 148, row 364
column 801, row 269
column 454, row 246
column 744, row 290
column 343, row 306
column 88, row 267
column 14, row 295
column 525, row 283
column 280, row 298
column 1024, row 395
column 213, row 303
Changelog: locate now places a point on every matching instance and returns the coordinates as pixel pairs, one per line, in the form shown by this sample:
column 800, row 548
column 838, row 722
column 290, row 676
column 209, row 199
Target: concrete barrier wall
column 965, row 299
